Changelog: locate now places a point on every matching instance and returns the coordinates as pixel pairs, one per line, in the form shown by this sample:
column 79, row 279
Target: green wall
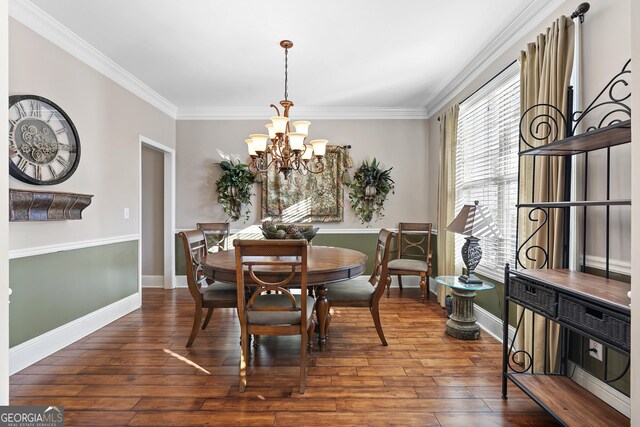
column 51, row 290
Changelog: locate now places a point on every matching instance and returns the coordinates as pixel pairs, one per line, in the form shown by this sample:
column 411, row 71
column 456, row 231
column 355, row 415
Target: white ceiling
column 204, row 54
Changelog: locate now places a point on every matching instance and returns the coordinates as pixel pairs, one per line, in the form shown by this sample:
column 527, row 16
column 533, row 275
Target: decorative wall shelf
column 609, row 136
column 568, row 204
column 25, row 205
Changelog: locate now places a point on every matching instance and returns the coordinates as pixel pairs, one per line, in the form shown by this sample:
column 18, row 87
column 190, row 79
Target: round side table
column 462, row 323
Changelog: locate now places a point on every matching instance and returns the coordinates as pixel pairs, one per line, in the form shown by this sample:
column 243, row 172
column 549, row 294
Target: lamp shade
column 259, row 142
column 319, row 146
column 308, row 152
column 302, row 127
column 249, row 142
column 474, row 220
column 272, row 133
column 279, row 123
column 296, row 141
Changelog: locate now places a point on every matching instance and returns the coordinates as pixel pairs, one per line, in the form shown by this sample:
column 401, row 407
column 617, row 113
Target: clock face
column 44, row 147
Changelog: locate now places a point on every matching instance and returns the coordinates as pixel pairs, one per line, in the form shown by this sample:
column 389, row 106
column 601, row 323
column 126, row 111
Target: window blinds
column 487, row 165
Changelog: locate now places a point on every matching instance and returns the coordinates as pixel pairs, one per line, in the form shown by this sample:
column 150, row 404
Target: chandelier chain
column 286, row 74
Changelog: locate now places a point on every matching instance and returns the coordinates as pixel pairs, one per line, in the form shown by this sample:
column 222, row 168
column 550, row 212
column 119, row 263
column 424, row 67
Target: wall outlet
column 126, row 213
column 598, row 353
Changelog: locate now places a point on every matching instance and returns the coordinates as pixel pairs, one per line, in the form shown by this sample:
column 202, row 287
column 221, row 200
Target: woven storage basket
column 534, row 295
column 605, row 324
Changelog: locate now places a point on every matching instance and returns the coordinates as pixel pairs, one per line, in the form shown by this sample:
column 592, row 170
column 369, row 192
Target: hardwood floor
column 137, row 371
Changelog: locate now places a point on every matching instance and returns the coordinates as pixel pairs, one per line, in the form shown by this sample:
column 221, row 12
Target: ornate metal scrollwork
column 530, row 251
column 526, row 363
column 617, row 91
column 544, row 122
column 543, row 126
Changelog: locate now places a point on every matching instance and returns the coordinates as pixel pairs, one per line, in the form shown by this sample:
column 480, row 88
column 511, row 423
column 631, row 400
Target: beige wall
column 109, row 120
column 635, row 248
column 152, row 212
column 401, row 144
column 606, row 47
column 4, row 218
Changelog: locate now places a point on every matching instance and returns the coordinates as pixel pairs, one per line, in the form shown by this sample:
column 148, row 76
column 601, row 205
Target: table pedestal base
column 462, row 323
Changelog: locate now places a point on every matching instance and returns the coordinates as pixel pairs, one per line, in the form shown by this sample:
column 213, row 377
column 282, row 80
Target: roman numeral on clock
column 61, row 131
column 22, row 165
column 21, row 110
column 53, row 172
column 66, row 147
column 35, row 109
column 38, row 173
column 62, row 161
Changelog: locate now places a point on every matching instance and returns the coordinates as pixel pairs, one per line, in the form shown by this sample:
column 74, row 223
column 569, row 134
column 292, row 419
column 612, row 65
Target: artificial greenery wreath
column 234, row 189
column 369, row 189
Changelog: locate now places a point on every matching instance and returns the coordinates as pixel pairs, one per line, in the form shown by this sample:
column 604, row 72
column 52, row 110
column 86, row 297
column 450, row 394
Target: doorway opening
column 156, row 197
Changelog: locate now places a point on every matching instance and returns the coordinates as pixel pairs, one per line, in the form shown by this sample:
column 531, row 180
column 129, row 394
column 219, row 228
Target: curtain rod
column 578, row 13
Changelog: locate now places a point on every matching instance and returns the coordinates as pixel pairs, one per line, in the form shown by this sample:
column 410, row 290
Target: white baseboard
column 29, row 352
column 602, row 390
column 152, row 281
column 181, row 282
column 491, row 324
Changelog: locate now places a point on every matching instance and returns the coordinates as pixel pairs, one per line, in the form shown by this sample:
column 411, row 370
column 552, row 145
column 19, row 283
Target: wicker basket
column 605, row 324
column 534, row 295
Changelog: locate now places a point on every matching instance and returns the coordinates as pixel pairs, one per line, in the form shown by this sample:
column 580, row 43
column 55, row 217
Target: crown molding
column 320, row 113
column 526, row 21
column 42, row 23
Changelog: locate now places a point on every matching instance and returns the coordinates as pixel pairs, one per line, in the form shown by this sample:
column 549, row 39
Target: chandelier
column 282, row 149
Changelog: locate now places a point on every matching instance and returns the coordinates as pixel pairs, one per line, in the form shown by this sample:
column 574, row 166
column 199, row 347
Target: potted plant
column 369, row 189
column 234, row 189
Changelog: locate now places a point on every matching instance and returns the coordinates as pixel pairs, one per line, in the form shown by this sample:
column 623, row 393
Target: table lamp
column 473, row 221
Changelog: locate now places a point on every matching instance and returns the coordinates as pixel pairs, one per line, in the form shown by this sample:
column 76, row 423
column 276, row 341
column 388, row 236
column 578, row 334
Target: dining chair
column 414, row 255
column 205, row 295
column 366, row 293
column 273, row 313
column 217, row 235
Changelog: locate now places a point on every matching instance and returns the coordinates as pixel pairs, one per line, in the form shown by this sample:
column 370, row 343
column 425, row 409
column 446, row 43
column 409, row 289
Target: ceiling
column 203, row 54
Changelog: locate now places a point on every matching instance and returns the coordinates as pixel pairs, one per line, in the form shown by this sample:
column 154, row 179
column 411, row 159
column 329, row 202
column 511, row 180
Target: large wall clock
column 44, row 147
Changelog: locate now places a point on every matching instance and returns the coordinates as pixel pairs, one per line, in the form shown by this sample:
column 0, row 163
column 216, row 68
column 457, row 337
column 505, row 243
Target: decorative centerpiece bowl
column 288, row 231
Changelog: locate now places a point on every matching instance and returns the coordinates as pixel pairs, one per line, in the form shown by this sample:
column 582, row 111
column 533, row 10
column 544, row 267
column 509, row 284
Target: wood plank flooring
column 136, row 371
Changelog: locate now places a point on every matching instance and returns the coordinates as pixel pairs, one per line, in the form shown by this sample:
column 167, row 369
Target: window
column 487, row 164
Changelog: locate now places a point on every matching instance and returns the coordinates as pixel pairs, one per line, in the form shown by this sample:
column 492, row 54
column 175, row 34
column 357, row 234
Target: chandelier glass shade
column 282, row 149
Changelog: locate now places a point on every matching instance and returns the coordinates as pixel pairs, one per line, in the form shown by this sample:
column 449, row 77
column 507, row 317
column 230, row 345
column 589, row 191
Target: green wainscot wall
column 51, row 290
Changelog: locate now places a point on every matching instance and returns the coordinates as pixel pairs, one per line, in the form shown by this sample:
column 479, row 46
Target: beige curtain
column 447, row 196
column 544, row 79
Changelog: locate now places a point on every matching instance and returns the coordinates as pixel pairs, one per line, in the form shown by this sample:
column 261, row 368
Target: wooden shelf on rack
column 571, row 404
column 621, row 202
column 607, row 292
column 610, row 136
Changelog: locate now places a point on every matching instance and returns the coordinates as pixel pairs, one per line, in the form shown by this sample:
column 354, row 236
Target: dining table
column 325, row 265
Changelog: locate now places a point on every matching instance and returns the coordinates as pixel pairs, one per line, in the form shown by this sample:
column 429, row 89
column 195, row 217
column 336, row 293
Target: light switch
column 126, row 213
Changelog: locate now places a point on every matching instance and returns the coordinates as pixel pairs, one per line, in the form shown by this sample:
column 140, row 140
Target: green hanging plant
column 369, row 189
column 234, row 189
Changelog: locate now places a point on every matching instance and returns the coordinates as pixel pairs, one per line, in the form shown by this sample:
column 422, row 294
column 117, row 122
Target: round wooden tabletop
column 325, row 264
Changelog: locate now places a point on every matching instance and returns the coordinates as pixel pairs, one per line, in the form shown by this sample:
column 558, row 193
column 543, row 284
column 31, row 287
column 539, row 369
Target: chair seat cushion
column 277, row 317
column 350, row 290
column 220, row 292
column 408, row 265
